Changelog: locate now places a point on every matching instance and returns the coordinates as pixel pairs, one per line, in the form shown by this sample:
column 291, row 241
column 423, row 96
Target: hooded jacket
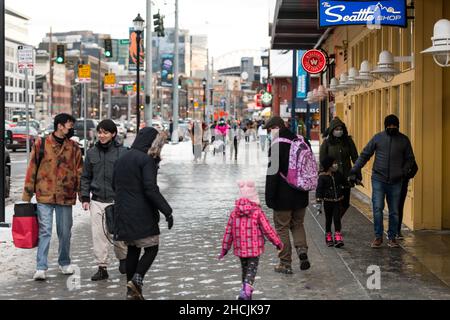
column 138, row 200
column 342, row 149
column 98, row 172
column 246, row 229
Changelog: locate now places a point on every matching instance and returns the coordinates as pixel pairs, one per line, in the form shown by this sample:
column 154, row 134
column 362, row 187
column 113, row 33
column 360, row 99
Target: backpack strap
column 284, row 140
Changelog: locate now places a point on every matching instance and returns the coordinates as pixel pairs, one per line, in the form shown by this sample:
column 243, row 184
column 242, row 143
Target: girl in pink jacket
column 246, row 229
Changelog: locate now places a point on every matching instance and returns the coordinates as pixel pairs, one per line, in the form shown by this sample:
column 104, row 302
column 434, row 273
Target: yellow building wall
column 446, row 139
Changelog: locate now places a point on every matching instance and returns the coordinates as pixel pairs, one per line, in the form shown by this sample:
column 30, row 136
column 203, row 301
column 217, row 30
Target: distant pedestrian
column 221, row 132
column 97, row 180
column 394, row 160
column 196, row 133
column 235, row 135
column 138, row 204
column 340, row 146
column 330, row 192
column 56, row 184
column 262, row 134
column 247, row 229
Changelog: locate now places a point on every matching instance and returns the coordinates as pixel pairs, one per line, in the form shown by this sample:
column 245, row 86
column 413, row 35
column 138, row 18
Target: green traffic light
column 108, row 54
column 59, row 60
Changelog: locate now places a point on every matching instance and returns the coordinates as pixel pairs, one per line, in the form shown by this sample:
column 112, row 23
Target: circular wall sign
column 314, row 61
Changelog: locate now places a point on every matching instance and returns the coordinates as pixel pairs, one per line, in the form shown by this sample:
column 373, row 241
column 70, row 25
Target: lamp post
column 204, row 82
column 138, row 24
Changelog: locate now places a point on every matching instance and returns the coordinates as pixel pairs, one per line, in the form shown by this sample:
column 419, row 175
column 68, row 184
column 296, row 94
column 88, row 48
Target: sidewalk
column 202, row 196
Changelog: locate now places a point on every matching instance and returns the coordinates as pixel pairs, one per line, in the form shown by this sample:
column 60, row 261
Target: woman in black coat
column 138, row 204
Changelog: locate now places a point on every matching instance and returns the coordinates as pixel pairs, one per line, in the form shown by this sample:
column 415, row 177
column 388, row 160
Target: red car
column 20, row 136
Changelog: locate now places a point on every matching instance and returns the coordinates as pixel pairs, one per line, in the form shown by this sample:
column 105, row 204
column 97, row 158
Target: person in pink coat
column 247, row 229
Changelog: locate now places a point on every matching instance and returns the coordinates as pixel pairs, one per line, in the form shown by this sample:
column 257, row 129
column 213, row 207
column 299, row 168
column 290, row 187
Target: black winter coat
column 279, row 195
column 138, row 199
column 331, row 187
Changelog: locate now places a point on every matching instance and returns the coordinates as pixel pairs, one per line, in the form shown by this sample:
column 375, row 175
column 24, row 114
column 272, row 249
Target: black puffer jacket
column 138, row 199
column 394, row 157
column 331, row 187
column 279, row 195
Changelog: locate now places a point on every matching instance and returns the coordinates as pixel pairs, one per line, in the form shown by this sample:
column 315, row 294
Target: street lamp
column 138, row 24
column 204, row 82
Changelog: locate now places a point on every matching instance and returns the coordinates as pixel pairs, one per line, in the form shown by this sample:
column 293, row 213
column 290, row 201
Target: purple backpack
column 303, row 170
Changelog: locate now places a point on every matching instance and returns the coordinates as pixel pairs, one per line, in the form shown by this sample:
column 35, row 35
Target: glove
column 169, row 220
column 222, row 254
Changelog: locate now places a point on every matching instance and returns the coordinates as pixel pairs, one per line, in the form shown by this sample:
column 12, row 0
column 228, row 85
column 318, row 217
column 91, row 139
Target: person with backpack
column 287, row 190
column 97, row 180
column 340, row 146
column 53, row 174
column 394, row 162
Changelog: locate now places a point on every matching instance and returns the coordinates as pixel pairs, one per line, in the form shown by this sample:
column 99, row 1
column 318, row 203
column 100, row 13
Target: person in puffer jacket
column 246, row 229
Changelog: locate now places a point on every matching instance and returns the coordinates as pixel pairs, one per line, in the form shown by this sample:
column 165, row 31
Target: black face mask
column 71, row 133
column 392, row 131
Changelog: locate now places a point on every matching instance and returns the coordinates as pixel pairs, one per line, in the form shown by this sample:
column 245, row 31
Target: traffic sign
column 25, row 57
column 110, row 80
column 84, row 73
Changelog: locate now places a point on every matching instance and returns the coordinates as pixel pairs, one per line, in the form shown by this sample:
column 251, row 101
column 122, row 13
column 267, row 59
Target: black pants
column 249, row 269
column 346, row 202
column 140, row 266
column 401, row 204
column 235, row 142
column 333, row 214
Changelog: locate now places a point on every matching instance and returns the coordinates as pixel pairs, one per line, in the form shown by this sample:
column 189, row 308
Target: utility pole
column 99, row 83
column 2, row 117
column 27, row 110
column 50, row 49
column 294, row 91
column 149, row 68
column 208, row 87
column 175, row 138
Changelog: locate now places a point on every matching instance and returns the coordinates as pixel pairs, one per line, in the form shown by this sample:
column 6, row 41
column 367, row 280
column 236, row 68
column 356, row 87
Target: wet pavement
column 202, row 196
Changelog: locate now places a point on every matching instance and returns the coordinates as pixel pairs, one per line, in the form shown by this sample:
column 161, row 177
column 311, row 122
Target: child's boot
column 248, row 291
column 339, row 240
column 329, row 239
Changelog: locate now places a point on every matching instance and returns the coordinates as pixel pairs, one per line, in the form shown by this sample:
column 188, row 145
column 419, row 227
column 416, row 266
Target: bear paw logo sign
column 314, row 61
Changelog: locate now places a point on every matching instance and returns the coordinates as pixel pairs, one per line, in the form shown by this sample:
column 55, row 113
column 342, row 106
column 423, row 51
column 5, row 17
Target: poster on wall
column 370, row 13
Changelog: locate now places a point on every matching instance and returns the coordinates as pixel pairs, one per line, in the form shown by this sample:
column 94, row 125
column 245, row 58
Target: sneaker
column 393, row 244
column 376, row 244
column 40, row 275
column 304, row 262
column 102, row 274
column 67, row 270
column 400, row 237
column 135, row 291
column 123, row 266
column 329, row 239
column 281, row 268
column 339, row 240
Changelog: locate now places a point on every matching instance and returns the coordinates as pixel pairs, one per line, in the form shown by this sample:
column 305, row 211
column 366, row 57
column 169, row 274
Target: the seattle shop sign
column 383, row 12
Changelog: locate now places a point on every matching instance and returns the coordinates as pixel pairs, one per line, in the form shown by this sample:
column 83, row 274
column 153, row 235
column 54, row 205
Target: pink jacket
column 222, row 130
column 246, row 229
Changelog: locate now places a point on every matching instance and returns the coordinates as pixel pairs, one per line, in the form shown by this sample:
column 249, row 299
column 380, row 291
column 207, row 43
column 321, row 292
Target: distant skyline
column 230, row 25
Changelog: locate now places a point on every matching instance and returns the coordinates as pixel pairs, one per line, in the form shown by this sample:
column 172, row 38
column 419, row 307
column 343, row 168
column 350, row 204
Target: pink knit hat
column 247, row 190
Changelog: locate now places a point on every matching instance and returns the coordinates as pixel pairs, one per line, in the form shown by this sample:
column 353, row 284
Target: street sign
column 84, row 73
column 25, row 57
column 124, row 41
column 314, row 61
column 110, row 80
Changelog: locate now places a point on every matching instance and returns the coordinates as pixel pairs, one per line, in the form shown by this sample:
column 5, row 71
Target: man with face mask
column 340, row 146
column 394, row 160
column 56, row 183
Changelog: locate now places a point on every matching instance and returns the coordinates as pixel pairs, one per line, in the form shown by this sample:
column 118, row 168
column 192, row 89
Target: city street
column 202, row 196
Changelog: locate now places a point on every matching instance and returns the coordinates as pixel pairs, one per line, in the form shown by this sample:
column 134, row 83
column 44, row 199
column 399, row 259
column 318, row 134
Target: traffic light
column 159, row 24
column 108, row 48
column 60, row 54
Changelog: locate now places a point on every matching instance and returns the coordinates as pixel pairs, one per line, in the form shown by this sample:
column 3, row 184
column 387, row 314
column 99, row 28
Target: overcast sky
column 229, row 24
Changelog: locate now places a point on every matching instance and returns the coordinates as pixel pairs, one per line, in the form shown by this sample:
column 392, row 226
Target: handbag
column 25, row 228
column 110, row 219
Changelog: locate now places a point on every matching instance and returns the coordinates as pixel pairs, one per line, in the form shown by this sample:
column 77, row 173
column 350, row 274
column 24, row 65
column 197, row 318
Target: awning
column 295, row 25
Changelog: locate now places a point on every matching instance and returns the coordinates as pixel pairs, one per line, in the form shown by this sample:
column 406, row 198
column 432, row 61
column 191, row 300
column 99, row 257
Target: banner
column 370, row 13
column 167, row 70
column 302, row 77
column 132, row 50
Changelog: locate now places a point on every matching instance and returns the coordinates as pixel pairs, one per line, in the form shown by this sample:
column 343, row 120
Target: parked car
column 121, row 130
column 8, row 140
column 33, row 123
column 20, row 136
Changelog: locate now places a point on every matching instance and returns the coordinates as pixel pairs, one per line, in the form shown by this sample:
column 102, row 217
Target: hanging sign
column 314, row 61
column 382, row 12
column 302, row 75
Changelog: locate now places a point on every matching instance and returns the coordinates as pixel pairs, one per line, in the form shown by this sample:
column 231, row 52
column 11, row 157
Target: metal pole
column 85, row 116
column 175, row 138
column 50, row 49
column 2, row 117
column 138, row 82
column 109, row 104
column 149, row 68
column 294, row 91
column 129, row 110
column 27, row 110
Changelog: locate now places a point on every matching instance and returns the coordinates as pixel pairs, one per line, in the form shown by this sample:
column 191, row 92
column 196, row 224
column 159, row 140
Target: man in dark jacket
column 340, row 146
column 138, row 204
column 97, row 180
column 289, row 204
column 394, row 159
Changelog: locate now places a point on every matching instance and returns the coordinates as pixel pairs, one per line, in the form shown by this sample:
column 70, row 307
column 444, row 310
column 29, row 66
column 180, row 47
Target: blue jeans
column 64, row 230
column 392, row 193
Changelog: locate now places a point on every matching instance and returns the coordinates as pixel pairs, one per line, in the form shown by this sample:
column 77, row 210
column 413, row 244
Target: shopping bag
column 25, row 228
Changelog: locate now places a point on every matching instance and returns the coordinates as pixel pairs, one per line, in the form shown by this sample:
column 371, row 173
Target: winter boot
column 248, row 289
column 329, row 239
column 102, row 274
column 123, row 266
column 303, row 256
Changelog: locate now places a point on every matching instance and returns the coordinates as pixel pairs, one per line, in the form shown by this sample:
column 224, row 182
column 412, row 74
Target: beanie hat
column 107, row 125
column 327, row 163
column 247, row 189
column 392, row 120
